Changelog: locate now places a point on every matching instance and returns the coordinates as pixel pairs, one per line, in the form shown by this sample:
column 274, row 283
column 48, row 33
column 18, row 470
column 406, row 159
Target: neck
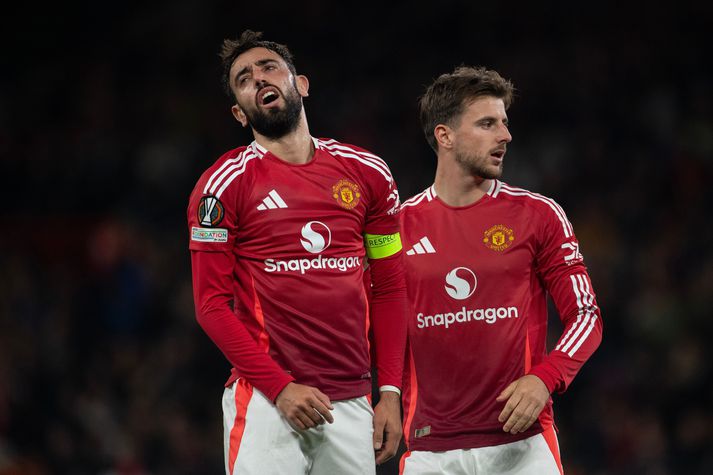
column 296, row 147
column 455, row 186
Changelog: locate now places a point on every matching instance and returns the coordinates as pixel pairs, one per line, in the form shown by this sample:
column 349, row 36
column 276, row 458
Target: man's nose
column 505, row 135
column 259, row 79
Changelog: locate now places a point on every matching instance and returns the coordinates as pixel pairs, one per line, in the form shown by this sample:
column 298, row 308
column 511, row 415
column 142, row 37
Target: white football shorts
column 258, row 440
column 536, row 455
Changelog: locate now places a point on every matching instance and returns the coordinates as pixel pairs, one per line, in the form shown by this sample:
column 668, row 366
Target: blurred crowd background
column 110, row 112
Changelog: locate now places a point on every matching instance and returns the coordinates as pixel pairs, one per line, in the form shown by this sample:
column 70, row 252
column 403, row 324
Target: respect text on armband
column 381, row 240
column 382, row 245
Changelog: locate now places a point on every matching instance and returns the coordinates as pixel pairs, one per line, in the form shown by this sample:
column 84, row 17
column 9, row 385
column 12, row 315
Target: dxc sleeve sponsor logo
column 575, row 256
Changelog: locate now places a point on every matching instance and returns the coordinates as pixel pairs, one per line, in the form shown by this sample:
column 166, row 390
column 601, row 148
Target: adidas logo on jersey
column 272, row 201
column 423, row 246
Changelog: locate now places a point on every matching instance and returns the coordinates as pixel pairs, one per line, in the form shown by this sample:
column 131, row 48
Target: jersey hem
column 470, row 441
column 361, row 388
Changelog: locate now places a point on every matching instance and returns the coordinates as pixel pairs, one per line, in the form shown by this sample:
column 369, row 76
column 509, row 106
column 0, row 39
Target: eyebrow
column 260, row 62
column 493, row 118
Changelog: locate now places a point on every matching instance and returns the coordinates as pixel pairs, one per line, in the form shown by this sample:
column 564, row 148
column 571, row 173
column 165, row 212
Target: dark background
column 110, row 112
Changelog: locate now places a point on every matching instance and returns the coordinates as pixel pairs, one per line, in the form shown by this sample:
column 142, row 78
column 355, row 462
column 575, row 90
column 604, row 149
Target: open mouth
column 267, row 96
column 498, row 154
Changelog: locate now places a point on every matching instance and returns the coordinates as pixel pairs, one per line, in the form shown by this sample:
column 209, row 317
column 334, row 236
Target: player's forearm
column 558, row 369
column 212, row 292
column 390, row 341
column 582, row 334
column 389, row 318
column 238, row 346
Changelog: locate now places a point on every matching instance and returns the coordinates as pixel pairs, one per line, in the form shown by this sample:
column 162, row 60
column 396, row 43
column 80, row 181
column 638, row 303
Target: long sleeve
column 388, row 316
column 561, row 267
column 213, row 296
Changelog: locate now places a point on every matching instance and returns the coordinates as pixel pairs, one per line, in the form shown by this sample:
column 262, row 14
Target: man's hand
column 387, row 426
column 304, row 406
column 525, row 398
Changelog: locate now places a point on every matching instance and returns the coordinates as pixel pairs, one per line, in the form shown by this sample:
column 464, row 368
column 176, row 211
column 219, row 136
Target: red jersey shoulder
column 335, row 144
column 538, row 206
column 418, row 202
column 221, row 178
column 221, row 163
column 361, row 161
column 208, row 200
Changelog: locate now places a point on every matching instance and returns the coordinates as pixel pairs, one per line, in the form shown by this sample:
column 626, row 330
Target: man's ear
column 239, row 115
column 302, row 85
column 444, row 136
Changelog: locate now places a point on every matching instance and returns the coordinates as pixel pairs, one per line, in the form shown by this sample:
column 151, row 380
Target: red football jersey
column 478, row 277
column 291, row 241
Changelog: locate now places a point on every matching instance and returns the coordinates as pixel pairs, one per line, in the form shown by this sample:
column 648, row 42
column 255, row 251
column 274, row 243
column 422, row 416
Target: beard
column 276, row 123
column 478, row 165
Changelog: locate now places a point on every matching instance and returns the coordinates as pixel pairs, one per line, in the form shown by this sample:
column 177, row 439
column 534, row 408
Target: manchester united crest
column 346, row 193
column 498, row 237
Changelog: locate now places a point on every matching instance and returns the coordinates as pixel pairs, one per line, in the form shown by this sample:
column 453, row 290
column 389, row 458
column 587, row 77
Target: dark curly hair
column 249, row 39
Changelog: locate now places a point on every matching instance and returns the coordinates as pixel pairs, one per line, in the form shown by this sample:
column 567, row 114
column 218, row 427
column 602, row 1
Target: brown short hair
column 249, row 39
column 446, row 98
